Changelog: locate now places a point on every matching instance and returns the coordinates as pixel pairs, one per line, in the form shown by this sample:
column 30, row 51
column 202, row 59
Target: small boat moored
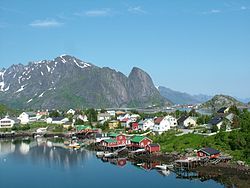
column 164, row 166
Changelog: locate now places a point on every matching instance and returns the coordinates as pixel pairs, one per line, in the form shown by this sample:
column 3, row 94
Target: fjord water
column 43, row 164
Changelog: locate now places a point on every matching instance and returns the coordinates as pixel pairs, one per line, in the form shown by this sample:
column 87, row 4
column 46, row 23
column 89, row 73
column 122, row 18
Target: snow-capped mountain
column 69, row 82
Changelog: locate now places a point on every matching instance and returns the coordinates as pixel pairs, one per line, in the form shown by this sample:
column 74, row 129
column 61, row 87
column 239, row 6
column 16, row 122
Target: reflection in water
column 43, row 152
column 164, row 172
column 24, row 148
column 6, row 147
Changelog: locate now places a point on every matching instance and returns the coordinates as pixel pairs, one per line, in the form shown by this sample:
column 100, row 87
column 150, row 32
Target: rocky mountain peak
column 67, row 81
column 219, row 101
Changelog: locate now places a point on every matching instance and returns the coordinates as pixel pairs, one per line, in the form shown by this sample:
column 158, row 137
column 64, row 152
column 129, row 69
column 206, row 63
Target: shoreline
column 31, row 134
column 231, row 168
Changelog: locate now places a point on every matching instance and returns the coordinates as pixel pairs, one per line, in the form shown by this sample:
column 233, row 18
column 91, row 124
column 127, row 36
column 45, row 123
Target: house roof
column 120, row 112
column 113, row 134
column 182, row 119
column 15, row 119
column 125, row 120
column 158, row 120
column 30, row 113
column 58, row 118
column 141, row 122
column 222, row 110
column 113, row 121
column 137, row 139
column 209, row 151
column 6, row 118
column 82, row 127
column 103, row 115
column 110, row 140
column 154, row 145
column 215, row 120
column 230, row 117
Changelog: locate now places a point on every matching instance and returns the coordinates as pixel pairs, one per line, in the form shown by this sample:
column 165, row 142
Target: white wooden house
column 57, row 120
column 146, row 124
column 186, row 122
column 164, row 124
column 71, row 111
column 27, row 117
column 103, row 117
column 6, row 122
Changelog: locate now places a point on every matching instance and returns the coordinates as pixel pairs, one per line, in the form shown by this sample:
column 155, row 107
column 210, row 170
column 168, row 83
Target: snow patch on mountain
column 2, row 78
column 29, row 100
column 63, row 60
column 41, row 95
column 81, row 66
column 21, row 89
column 19, row 79
column 7, row 88
column 1, row 85
column 48, row 68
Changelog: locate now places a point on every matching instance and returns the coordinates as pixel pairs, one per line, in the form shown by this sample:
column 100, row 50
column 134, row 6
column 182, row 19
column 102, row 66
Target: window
column 5, row 122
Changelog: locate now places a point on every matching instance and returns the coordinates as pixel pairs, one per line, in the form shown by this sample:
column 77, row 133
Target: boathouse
column 121, row 139
column 140, row 141
column 208, row 152
column 108, row 143
column 153, row 148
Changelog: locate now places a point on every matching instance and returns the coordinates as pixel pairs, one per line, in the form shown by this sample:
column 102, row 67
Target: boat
column 100, row 154
column 108, row 155
column 66, row 143
column 139, row 164
column 74, row 146
column 164, row 166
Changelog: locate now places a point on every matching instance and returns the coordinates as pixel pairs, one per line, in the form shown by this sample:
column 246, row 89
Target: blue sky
column 192, row 46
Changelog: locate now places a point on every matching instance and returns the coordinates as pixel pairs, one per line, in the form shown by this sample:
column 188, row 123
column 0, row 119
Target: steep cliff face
column 69, row 82
column 139, row 82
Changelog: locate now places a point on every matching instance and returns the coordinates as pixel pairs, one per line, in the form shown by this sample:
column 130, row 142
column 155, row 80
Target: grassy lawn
column 223, row 141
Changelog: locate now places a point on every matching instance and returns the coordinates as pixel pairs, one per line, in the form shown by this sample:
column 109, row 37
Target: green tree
column 234, row 110
column 91, row 114
column 236, row 122
column 214, row 128
column 79, row 122
column 103, row 111
column 54, row 113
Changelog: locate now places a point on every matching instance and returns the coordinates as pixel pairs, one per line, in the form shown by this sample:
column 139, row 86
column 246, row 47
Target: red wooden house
column 120, row 138
column 108, row 143
column 135, row 126
column 140, row 141
column 116, row 140
column 208, row 152
column 153, row 148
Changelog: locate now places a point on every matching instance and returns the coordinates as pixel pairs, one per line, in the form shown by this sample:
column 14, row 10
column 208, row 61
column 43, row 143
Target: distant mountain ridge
column 244, row 100
column 182, row 98
column 219, row 101
column 68, row 82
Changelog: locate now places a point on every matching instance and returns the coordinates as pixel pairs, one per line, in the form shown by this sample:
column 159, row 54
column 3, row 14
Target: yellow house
column 113, row 124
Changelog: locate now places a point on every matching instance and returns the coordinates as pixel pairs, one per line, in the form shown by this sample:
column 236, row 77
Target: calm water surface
column 45, row 164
